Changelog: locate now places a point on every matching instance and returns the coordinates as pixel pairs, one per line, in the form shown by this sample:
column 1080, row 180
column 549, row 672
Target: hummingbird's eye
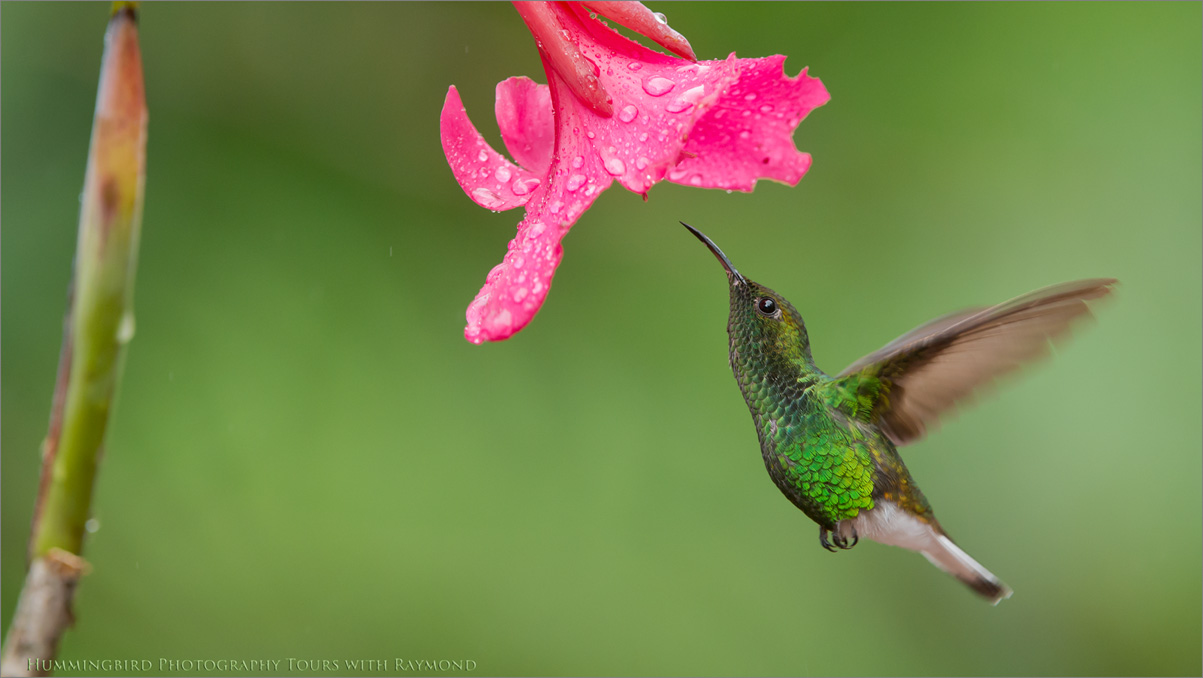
column 766, row 306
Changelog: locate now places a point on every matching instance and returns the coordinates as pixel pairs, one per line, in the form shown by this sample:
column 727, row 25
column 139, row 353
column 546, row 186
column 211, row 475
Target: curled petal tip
column 643, row 21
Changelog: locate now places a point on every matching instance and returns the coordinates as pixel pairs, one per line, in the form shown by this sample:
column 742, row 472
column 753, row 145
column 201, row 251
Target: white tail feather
column 888, row 524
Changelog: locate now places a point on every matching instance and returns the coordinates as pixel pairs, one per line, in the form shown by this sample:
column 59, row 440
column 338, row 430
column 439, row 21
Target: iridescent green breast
column 823, row 467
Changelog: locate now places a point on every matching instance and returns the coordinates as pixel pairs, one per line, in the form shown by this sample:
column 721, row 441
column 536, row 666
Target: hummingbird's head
column 761, row 321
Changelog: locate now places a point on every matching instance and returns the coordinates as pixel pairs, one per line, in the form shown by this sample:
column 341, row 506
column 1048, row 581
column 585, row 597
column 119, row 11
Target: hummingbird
column 830, row 443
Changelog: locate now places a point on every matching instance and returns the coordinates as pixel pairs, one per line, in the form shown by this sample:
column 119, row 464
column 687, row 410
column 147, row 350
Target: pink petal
column 668, row 119
column 490, row 180
column 515, row 289
column 748, row 133
column 527, row 127
column 554, row 38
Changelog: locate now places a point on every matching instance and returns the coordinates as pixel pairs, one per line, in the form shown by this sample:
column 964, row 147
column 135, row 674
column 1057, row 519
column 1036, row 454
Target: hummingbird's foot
column 823, row 532
column 844, row 535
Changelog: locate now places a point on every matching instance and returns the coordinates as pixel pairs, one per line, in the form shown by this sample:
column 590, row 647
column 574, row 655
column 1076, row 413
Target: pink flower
column 614, row 110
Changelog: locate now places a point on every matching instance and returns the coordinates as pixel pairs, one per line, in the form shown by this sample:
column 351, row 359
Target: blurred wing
column 929, row 369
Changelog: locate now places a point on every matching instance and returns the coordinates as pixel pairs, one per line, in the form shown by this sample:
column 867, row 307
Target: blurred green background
column 309, row 461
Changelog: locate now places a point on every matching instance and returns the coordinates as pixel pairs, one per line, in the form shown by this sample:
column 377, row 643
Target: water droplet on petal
column 615, row 166
column 660, row 17
column 676, row 175
column 495, row 273
column 695, row 180
column 658, row 86
column 503, row 174
column 641, row 163
column 556, row 207
column 520, row 294
column 487, row 198
column 504, row 318
column 589, row 134
column 628, row 113
column 574, row 182
column 746, row 134
column 577, row 162
column 519, row 262
column 536, row 230
column 524, row 186
column 750, row 96
column 678, row 106
column 643, row 136
column 767, row 108
column 634, row 65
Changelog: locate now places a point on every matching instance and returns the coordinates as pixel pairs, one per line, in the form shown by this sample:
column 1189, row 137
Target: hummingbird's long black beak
column 722, row 258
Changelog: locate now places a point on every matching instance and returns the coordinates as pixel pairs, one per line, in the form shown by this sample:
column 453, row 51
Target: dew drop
column 767, row 108
column 660, row 17
column 494, row 274
column 556, row 207
column 524, row 186
column 125, row 329
column 628, row 113
column 519, row 261
column 643, row 136
column 634, row 65
column 641, row 163
column 520, row 294
column 536, row 230
column 750, row 96
column 574, row 182
column 486, row 197
column 504, row 318
column 658, row 86
column 615, row 166
column 678, row 106
column 746, row 134
column 676, row 175
column 589, row 134
column 502, row 174
column 695, row 180
column 482, row 156
column 92, row 526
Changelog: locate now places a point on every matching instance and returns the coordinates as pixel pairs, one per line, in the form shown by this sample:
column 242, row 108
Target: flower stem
column 98, row 324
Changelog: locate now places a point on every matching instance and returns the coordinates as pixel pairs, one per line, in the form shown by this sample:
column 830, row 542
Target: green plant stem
column 99, row 323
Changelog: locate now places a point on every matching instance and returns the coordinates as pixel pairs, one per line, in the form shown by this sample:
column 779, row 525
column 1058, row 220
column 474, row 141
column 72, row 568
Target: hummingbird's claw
column 844, row 535
column 823, row 532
